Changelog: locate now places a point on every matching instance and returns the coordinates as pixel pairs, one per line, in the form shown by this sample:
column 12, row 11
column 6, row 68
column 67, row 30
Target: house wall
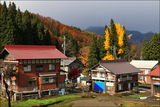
column 75, row 64
column 23, row 77
column 153, row 90
column 125, row 83
column 147, row 78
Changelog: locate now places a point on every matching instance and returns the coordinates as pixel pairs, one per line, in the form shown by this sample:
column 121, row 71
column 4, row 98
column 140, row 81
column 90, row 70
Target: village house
column 70, row 63
column 155, row 81
column 112, row 76
column 145, row 66
column 37, row 66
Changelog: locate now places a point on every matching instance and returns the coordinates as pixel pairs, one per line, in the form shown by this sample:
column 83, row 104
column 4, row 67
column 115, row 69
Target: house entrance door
column 157, row 90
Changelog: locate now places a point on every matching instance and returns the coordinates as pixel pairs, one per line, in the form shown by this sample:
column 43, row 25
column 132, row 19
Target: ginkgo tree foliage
column 114, row 36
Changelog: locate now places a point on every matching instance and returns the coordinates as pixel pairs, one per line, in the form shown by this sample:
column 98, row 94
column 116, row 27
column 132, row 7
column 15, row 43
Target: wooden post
column 39, row 93
column 15, row 96
column 49, row 91
column 21, row 96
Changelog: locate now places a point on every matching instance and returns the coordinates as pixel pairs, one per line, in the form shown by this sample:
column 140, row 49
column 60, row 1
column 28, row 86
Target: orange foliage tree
column 83, row 56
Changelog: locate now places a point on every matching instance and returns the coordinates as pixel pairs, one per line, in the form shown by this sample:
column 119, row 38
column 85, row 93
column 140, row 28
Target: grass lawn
column 33, row 102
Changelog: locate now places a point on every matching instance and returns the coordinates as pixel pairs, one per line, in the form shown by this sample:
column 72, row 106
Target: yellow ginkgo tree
column 120, row 31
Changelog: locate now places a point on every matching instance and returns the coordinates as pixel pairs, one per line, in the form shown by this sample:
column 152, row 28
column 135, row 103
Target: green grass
column 135, row 96
column 34, row 102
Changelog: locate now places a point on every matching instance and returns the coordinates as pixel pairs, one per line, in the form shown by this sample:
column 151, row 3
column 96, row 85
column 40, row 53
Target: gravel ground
column 98, row 102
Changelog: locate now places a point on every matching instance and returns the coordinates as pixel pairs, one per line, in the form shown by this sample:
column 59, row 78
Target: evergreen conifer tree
column 92, row 57
column 125, row 47
column 154, row 47
column 35, row 30
column 145, row 48
column 48, row 38
column 41, row 33
column 18, row 21
column 11, row 28
column 3, row 24
column 27, row 30
column 100, row 48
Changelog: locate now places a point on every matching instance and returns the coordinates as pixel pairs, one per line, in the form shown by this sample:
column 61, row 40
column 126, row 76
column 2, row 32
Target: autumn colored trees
column 115, row 36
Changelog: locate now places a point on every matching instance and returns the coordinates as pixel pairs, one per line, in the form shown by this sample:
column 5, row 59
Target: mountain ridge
column 137, row 35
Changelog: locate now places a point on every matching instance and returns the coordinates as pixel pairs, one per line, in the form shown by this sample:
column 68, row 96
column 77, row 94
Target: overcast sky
column 143, row 16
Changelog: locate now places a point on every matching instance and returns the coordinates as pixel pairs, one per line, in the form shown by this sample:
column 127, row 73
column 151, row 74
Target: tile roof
column 32, row 52
column 119, row 66
column 148, row 64
column 68, row 61
column 155, row 72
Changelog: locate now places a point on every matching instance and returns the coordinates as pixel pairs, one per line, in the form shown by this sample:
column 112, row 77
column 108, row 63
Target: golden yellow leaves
column 129, row 36
column 120, row 34
column 108, row 56
column 106, row 42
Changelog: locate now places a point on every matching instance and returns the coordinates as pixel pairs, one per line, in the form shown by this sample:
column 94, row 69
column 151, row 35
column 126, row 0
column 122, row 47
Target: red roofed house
column 38, row 67
column 155, row 81
column 114, row 76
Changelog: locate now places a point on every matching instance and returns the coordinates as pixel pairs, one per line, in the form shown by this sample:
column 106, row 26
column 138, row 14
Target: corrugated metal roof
column 148, row 64
column 33, row 52
column 119, row 66
column 155, row 72
column 68, row 61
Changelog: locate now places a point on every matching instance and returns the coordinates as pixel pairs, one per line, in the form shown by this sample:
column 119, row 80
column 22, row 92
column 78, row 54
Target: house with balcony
column 155, row 81
column 37, row 66
column 112, row 76
column 146, row 66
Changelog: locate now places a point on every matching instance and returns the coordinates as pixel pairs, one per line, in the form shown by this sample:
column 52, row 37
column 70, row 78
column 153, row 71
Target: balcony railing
column 23, row 88
column 110, row 79
column 103, row 77
column 124, row 79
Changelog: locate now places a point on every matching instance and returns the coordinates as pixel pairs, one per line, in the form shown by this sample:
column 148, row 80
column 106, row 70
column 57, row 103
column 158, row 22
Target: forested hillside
column 28, row 28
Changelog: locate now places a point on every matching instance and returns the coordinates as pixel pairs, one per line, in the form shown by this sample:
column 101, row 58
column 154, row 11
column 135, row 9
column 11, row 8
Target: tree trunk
column 8, row 93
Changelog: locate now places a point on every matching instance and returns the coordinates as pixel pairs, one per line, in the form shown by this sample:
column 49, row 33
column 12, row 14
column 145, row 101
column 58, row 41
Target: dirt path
column 98, row 102
column 129, row 99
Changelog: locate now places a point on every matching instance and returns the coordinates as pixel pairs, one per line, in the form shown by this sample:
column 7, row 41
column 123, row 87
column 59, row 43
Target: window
column 129, row 86
column 48, row 80
column 27, row 68
column 135, row 84
column 120, row 86
column 49, row 61
column 71, row 67
column 51, row 66
column 31, row 83
column 13, row 84
column 39, row 67
column 146, row 71
column 102, row 74
column 78, row 66
column 37, row 61
column 57, row 60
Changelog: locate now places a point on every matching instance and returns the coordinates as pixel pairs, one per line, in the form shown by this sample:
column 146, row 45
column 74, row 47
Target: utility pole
column 113, row 48
column 141, row 58
column 64, row 51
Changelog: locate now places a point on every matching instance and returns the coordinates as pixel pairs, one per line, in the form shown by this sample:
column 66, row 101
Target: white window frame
column 51, row 67
column 120, row 86
column 28, row 68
